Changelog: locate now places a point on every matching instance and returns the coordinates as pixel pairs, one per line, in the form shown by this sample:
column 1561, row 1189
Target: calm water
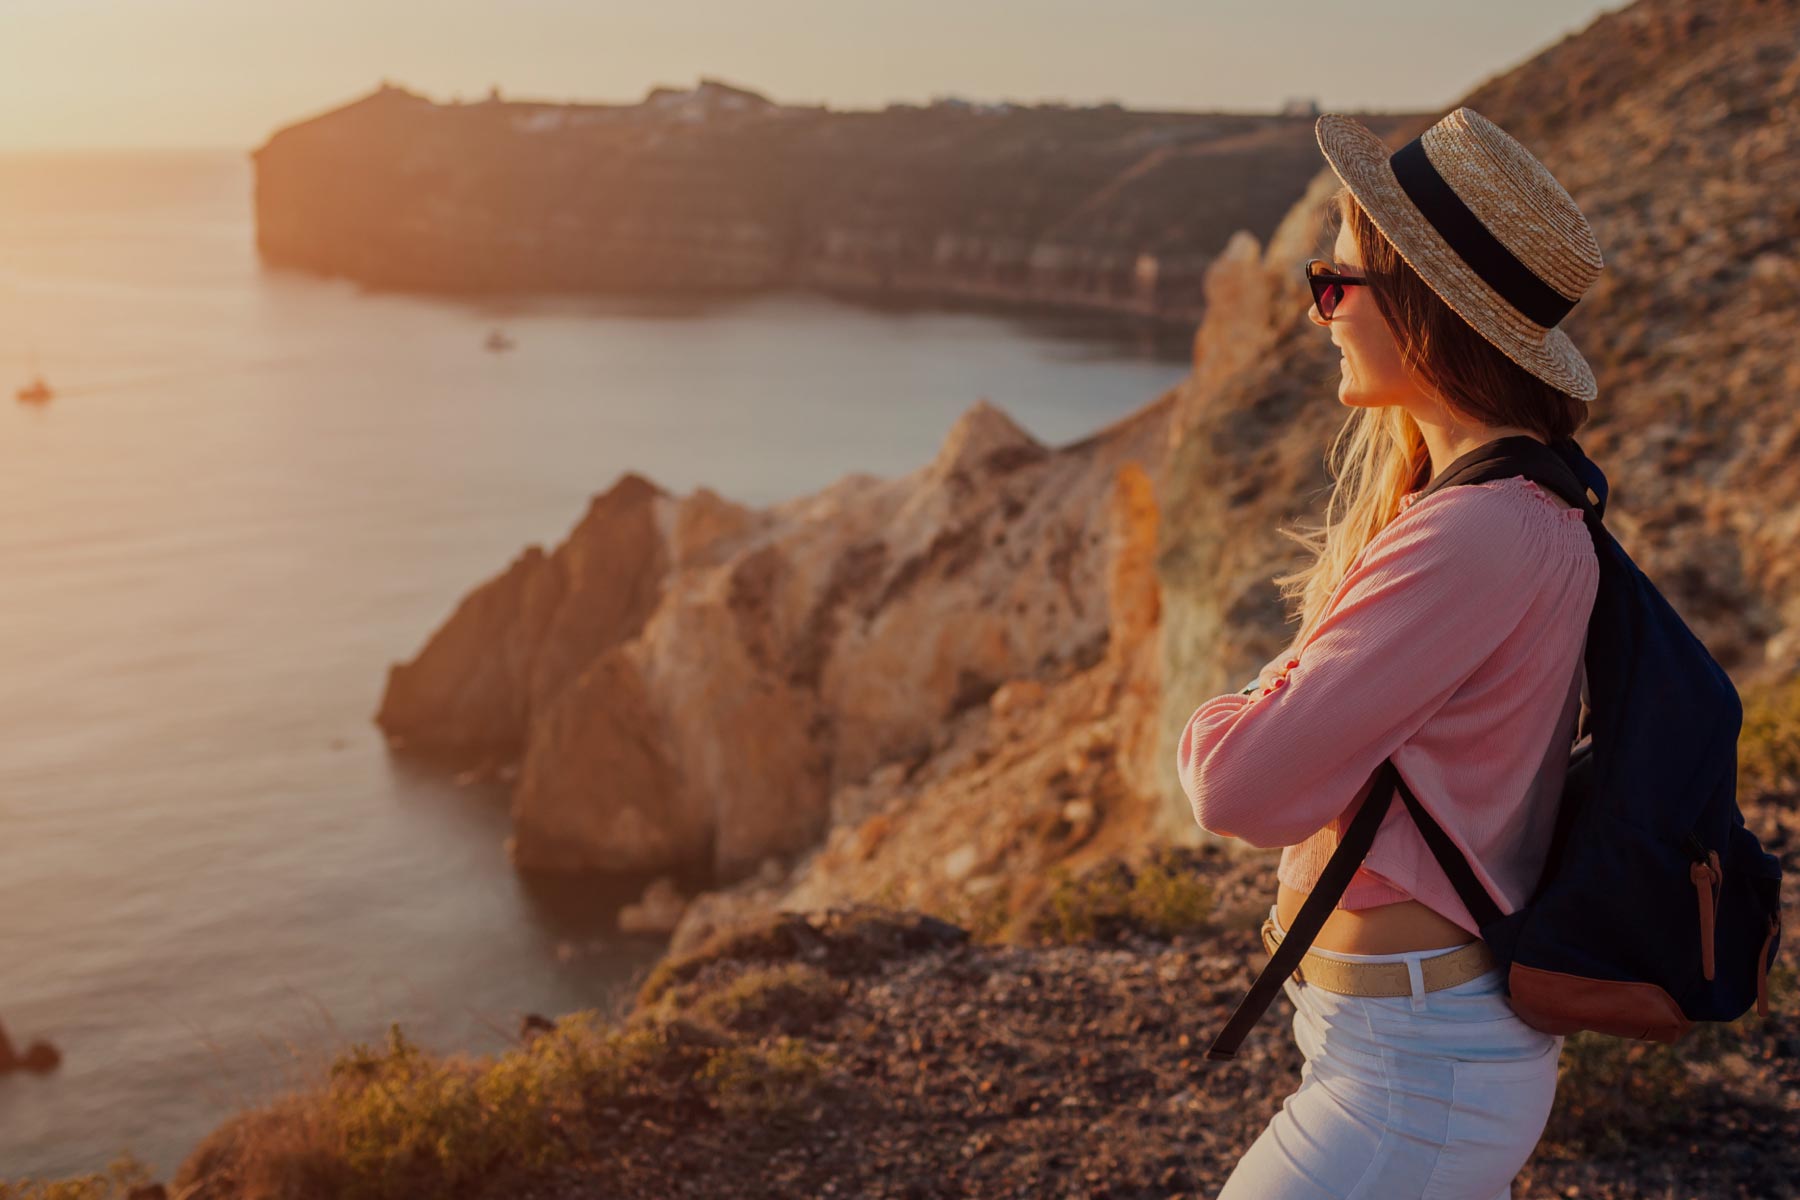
column 253, row 492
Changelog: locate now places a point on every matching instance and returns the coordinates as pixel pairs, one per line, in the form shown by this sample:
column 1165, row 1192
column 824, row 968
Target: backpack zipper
column 1704, row 873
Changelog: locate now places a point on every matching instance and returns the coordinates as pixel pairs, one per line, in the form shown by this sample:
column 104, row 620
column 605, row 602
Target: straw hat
column 1486, row 225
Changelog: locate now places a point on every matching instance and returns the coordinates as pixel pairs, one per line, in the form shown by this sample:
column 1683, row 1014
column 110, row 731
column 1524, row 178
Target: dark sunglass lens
column 1328, row 299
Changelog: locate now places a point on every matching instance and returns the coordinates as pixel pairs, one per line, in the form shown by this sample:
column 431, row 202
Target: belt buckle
column 1270, row 942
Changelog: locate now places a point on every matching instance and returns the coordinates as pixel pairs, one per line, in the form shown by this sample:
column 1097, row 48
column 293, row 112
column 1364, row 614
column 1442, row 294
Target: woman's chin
column 1351, row 396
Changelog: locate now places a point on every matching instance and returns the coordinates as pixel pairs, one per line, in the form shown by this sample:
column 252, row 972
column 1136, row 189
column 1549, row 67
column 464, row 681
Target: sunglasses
column 1328, row 286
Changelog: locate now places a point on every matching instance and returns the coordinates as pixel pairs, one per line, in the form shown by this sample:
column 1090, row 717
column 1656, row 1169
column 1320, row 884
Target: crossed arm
column 1429, row 599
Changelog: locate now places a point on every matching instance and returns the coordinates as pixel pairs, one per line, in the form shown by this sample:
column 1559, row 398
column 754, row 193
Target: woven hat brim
column 1360, row 160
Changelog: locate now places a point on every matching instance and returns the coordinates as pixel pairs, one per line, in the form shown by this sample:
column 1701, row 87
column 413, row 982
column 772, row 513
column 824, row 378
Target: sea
column 253, row 491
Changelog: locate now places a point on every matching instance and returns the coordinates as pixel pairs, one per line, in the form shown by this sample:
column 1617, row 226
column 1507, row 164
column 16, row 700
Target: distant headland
column 717, row 191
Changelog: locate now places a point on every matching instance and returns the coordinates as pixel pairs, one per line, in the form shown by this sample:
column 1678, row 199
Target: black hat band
column 1464, row 233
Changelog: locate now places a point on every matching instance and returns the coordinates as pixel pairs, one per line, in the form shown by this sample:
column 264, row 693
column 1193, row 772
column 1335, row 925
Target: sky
column 91, row 74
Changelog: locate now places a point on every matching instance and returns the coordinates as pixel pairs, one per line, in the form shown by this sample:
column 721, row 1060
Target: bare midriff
column 1384, row 929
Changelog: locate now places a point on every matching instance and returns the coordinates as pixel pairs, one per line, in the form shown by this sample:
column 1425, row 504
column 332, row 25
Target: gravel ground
column 968, row 1069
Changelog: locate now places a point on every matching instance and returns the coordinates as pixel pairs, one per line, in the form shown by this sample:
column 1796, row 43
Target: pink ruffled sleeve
column 1428, row 600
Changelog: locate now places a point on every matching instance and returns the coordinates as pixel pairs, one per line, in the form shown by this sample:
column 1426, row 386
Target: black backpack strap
column 1562, row 467
column 1325, row 894
column 1475, row 898
column 1557, row 466
column 1311, row 918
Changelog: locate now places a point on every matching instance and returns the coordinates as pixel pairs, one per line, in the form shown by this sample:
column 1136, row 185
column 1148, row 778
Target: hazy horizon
column 208, row 75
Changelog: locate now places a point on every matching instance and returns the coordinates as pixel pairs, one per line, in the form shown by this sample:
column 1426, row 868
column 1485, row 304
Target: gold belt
column 1385, row 978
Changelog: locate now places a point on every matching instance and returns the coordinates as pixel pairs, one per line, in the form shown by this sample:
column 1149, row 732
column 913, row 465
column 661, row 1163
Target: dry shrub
column 125, row 1173
column 1163, row 898
column 784, row 997
column 1769, row 742
column 395, row 1122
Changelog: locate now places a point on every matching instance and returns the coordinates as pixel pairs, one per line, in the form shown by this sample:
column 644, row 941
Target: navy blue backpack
column 1657, row 908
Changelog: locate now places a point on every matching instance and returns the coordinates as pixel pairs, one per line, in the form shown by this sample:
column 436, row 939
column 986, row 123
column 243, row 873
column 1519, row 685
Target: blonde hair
column 1379, row 454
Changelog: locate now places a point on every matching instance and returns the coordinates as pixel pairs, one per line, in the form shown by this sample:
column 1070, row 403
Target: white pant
column 1433, row 1096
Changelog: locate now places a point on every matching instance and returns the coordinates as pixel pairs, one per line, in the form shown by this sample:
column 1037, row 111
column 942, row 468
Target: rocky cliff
column 717, row 190
column 686, row 680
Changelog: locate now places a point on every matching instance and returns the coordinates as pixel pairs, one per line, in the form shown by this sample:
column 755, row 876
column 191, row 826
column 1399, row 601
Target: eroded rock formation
column 685, row 681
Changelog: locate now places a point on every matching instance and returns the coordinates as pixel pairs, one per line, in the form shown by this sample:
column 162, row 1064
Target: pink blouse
column 1453, row 644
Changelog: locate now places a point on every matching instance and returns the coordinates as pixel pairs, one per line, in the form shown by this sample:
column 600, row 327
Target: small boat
column 498, row 341
column 35, row 392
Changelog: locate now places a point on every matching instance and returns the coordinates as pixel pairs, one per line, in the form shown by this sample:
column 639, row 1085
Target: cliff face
column 719, row 191
column 684, row 680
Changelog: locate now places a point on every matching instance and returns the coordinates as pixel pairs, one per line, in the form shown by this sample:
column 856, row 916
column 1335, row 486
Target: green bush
column 393, row 1121
column 1769, row 742
column 403, row 1122
column 1162, row 898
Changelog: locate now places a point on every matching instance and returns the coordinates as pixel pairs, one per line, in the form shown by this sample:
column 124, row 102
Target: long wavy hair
column 1379, row 455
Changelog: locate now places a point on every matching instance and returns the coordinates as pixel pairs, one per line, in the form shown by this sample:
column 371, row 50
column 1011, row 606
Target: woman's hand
column 1276, row 668
column 1275, row 675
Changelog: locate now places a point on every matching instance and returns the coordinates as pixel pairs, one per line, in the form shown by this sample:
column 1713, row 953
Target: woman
column 1447, row 635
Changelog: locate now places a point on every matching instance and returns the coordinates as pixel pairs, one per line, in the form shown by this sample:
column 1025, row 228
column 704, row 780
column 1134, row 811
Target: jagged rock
column 39, row 1056
column 515, row 644
column 728, row 671
column 599, row 787
column 991, row 801
column 657, row 911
